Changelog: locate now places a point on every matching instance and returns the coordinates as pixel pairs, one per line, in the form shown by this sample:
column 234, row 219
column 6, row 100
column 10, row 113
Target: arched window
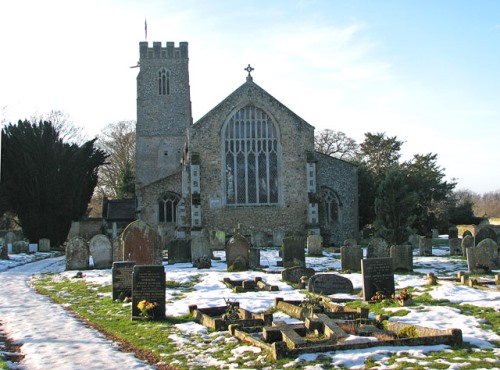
column 164, row 82
column 331, row 206
column 167, row 208
column 251, row 158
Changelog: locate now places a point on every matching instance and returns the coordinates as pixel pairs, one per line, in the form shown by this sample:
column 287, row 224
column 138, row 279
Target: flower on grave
column 146, row 308
column 404, row 295
column 378, row 297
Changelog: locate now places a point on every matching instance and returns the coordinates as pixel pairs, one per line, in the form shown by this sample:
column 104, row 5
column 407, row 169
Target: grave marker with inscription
column 122, row 279
column 350, row 257
column 329, row 284
column 293, row 252
column 101, row 251
column 148, row 284
column 402, row 257
column 378, row 276
column 141, row 243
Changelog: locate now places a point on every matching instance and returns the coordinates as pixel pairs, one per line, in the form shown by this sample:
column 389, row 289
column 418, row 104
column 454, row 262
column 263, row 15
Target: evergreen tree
column 46, row 182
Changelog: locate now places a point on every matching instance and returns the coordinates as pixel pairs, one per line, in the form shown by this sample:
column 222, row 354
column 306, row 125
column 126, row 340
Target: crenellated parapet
column 170, row 51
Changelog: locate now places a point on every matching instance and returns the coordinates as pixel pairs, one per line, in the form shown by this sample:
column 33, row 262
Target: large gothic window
column 251, row 158
column 164, row 82
column 167, row 208
column 331, row 205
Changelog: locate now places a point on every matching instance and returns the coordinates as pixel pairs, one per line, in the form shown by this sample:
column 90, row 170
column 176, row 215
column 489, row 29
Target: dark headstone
column 101, row 251
column 141, row 243
column 329, row 284
column 350, row 258
column 378, row 276
column 254, row 260
column 179, row 251
column 148, row 283
column 402, row 257
column 453, row 232
column 200, row 248
column 122, row 279
column 377, row 248
column 455, row 247
column 485, row 233
column 467, row 242
column 238, row 253
column 293, row 274
column 77, row 254
column 44, row 245
column 425, row 247
column 293, row 252
column 484, row 257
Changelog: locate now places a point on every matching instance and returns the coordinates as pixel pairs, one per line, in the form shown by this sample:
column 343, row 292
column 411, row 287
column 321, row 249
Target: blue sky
column 426, row 72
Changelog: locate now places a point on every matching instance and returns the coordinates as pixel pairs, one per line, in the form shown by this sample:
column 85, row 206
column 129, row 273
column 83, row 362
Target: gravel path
column 50, row 337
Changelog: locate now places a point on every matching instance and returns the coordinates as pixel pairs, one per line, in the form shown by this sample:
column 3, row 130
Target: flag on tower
column 145, row 29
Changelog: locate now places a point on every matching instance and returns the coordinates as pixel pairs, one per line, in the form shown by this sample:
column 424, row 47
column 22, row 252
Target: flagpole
column 145, row 29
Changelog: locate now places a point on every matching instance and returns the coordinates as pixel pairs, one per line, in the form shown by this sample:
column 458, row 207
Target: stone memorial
column 314, row 245
column 328, row 284
column 293, row 274
column 414, row 240
column 117, row 250
column 11, row 237
column 402, row 257
column 101, row 251
column 238, row 252
column 484, row 257
column 179, row 251
column 455, row 247
column 377, row 248
column 33, row 248
column 44, row 245
column 217, row 239
column 148, row 284
column 278, row 236
column 77, row 254
column 254, row 258
column 200, row 248
column 350, row 242
column 259, row 239
column 141, row 243
column 435, row 233
column 467, row 242
column 350, row 258
column 452, row 232
column 378, row 276
column 485, row 233
column 122, row 279
column 425, row 247
column 293, row 251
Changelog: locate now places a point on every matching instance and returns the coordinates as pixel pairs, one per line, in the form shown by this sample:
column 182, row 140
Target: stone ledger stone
column 328, row 284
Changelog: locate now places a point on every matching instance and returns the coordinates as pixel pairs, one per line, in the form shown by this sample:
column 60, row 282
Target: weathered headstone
column 435, row 233
column 402, row 257
column 259, row 239
column 425, row 247
column 238, row 252
column 455, row 247
column 452, row 232
column 293, row 274
column 293, row 251
column 101, row 251
column 378, row 276
column 44, row 245
column 484, row 257
column 33, row 248
column 117, row 250
column 314, row 245
column 350, row 242
column 122, row 279
column 485, row 233
column 200, row 248
column 414, row 240
column 377, row 248
column 217, row 239
column 141, row 243
column 148, row 284
column 467, row 242
column 179, row 251
column 254, row 258
column 11, row 237
column 350, row 257
column 278, row 236
column 77, row 254
column 328, row 284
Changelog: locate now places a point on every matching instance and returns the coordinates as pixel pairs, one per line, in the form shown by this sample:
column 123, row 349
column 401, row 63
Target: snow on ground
column 51, row 337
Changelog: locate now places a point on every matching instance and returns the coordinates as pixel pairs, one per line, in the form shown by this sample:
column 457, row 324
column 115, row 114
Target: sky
column 426, row 72
column 47, row 331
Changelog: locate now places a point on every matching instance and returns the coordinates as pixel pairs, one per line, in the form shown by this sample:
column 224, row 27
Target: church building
column 250, row 161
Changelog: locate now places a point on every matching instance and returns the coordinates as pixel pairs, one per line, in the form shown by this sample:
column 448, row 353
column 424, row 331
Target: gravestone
column 377, row 248
column 485, row 233
column 278, row 236
column 414, row 240
column 33, row 248
column 435, row 233
column 148, row 284
column 11, row 237
column 101, row 251
column 293, row 274
column 122, row 279
column 259, row 239
column 141, row 243
column 350, row 258
column 217, row 239
column 378, row 276
column 467, row 242
column 293, row 251
column 44, row 245
column 200, row 248
column 77, row 254
column 452, row 232
column 16, row 247
column 455, row 247
column 179, row 251
column 238, row 252
column 350, row 242
column 425, row 247
column 328, row 284
column 484, row 257
column 117, row 250
column 314, row 245
column 254, row 258
column 402, row 257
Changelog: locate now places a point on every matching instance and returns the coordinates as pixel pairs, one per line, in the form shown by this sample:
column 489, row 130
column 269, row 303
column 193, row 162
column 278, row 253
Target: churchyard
column 291, row 307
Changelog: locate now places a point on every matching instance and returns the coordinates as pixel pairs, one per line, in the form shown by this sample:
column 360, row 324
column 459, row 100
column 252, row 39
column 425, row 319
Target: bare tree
column 68, row 131
column 335, row 144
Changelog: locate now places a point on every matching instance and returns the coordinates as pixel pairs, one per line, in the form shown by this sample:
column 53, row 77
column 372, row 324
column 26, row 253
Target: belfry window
column 167, row 208
column 251, row 158
column 331, row 205
column 163, row 82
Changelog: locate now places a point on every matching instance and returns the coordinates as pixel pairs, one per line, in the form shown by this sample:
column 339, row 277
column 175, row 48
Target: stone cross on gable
column 249, row 69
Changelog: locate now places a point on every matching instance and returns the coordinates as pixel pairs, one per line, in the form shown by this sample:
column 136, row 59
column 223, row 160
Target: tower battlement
column 170, row 51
